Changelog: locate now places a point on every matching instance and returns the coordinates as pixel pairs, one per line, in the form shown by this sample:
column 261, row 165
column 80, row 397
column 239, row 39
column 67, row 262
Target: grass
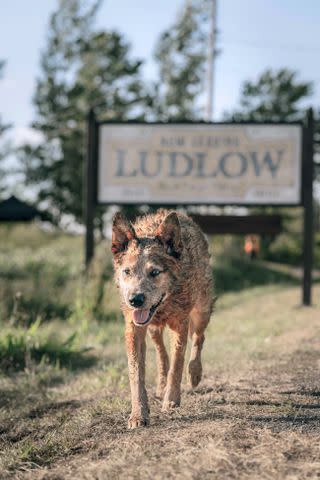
column 64, row 393
column 234, row 274
column 255, row 415
column 20, row 348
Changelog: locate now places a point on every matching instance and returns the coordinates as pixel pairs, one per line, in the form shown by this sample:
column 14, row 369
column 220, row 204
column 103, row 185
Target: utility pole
column 211, row 59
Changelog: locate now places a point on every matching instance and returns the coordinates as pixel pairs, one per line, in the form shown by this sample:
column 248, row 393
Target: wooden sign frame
column 91, row 190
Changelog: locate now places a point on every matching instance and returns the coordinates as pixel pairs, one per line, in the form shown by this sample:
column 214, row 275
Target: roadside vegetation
column 52, row 312
column 63, row 377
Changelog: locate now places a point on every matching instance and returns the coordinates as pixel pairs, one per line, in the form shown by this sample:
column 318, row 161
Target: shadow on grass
column 235, row 274
column 45, row 308
column 15, row 392
column 25, row 310
column 20, row 350
column 14, row 431
column 13, row 274
column 311, row 393
column 52, row 407
column 289, row 415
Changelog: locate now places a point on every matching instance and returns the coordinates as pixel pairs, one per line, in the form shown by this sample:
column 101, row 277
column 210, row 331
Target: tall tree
column 4, row 146
column 181, row 55
column 81, row 68
column 317, row 149
column 274, row 96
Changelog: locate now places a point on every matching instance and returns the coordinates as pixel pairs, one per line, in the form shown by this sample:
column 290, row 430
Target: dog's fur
column 165, row 257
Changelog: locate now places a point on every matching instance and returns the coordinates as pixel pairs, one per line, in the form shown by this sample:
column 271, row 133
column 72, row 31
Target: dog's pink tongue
column 140, row 316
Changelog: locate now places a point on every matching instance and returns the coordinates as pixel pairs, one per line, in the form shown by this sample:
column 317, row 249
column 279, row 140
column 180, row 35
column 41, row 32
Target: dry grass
column 254, row 416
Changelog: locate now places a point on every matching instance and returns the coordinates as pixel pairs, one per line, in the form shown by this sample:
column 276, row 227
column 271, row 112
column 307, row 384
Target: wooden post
column 307, row 195
column 89, row 183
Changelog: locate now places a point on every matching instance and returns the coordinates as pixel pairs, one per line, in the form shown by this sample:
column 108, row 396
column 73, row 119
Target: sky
column 253, row 35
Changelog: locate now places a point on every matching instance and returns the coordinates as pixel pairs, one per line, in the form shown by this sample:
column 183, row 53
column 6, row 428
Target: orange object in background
column 252, row 246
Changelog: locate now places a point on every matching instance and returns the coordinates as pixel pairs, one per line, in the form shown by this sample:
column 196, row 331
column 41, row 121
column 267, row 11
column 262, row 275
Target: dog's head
column 146, row 267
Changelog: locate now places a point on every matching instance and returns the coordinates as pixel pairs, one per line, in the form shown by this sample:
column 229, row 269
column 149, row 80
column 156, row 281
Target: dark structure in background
column 14, row 210
column 239, row 224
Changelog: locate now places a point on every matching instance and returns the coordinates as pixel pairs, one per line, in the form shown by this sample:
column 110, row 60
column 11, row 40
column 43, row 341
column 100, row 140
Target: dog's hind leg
column 199, row 319
column 156, row 333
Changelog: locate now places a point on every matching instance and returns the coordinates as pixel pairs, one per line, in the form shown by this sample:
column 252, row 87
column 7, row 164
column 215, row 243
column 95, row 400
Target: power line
column 301, row 48
column 211, row 59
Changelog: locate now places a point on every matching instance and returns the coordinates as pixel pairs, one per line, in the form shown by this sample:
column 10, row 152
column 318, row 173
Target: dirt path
column 266, row 426
column 263, row 426
column 258, row 421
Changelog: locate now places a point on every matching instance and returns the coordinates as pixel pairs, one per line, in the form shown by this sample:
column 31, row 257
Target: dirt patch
column 263, row 425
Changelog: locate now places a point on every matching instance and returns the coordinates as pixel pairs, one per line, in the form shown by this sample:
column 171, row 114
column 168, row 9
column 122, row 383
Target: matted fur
column 163, row 258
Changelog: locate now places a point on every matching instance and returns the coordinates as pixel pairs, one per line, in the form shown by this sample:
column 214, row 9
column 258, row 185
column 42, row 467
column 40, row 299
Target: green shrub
column 20, row 348
column 317, row 251
column 235, row 273
column 286, row 249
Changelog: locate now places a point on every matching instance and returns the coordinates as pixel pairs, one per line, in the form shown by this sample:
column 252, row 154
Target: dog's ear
column 122, row 233
column 169, row 233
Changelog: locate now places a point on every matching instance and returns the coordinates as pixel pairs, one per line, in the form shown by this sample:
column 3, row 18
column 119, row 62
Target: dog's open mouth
column 142, row 317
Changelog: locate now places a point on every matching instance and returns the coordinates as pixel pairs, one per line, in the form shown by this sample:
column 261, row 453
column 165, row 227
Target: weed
column 19, row 348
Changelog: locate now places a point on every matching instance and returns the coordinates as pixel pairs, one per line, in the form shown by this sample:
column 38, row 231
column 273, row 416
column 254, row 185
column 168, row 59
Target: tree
column 275, row 96
column 317, row 146
column 81, row 68
column 5, row 149
column 181, row 55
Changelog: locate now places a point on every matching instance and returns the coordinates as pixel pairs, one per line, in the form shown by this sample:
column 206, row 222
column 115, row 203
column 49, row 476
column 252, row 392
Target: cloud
column 10, row 84
column 21, row 135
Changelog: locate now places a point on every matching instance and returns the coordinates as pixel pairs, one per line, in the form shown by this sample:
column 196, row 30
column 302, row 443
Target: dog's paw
column 169, row 405
column 194, row 373
column 136, row 421
column 160, row 392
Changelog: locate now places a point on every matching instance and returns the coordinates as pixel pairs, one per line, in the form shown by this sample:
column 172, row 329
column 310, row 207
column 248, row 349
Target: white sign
column 200, row 164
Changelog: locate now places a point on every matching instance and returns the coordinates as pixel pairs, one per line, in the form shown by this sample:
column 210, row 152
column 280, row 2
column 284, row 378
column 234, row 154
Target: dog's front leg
column 156, row 333
column 178, row 337
column 136, row 351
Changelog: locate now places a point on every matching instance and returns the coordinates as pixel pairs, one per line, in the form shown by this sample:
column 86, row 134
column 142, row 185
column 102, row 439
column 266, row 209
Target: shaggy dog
column 162, row 269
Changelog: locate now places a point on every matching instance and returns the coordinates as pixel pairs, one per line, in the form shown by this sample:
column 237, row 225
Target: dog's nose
column 137, row 300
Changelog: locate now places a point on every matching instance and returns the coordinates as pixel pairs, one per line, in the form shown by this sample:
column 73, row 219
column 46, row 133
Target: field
column 64, row 395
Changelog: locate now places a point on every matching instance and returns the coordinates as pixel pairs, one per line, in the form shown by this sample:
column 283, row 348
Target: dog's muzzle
column 142, row 317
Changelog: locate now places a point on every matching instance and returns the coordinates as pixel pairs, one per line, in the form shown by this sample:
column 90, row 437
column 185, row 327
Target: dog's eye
column 155, row 272
column 126, row 271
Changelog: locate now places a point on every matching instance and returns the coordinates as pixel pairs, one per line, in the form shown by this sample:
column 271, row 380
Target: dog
column 162, row 270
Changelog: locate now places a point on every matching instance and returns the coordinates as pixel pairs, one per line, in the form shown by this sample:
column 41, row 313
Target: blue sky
column 254, row 34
